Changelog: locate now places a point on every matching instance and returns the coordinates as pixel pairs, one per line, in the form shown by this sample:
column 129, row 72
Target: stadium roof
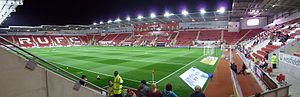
column 8, row 6
column 242, row 8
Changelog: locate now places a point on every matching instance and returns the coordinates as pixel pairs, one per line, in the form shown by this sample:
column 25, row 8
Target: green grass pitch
column 133, row 63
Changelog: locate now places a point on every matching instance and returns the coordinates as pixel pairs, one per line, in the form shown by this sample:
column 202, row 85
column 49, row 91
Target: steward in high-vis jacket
column 274, row 60
column 117, row 86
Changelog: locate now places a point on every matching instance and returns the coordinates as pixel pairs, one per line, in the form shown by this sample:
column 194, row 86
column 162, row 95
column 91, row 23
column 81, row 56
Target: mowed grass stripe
column 132, row 62
column 112, row 63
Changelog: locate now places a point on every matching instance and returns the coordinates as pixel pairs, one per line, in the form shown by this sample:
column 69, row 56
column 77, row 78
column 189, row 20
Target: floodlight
column 109, row 21
column 118, row 20
column 152, row 15
column 184, row 12
column 167, row 14
column 100, row 22
column 193, row 20
column 221, row 10
column 202, row 11
column 241, row 18
column 94, row 23
column 216, row 19
column 140, row 17
column 128, row 18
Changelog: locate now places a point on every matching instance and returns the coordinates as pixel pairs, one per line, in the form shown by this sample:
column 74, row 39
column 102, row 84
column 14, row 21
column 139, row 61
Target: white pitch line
column 96, row 72
column 179, row 69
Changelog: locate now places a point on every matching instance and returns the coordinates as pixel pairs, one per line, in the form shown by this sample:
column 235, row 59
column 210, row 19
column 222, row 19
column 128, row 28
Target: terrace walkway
column 221, row 84
column 247, row 83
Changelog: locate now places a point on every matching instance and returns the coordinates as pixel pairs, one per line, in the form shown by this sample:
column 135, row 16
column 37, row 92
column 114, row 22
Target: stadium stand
column 209, row 35
column 43, row 41
column 60, row 40
column 121, row 37
column 25, row 41
column 186, row 38
column 110, row 37
column 8, row 37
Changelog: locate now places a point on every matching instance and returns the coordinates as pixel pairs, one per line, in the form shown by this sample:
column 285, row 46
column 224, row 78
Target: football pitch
column 133, row 63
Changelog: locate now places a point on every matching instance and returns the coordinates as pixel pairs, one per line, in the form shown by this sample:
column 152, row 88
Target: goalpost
column 208, row 50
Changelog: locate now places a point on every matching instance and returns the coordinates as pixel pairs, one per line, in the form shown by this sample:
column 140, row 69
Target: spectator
column 266, row 56
column 234, row 68
column 130, row 93
column 143, row 89
column 263, row 65
column 255, row 60
column 83, row 78
column 110, row 89
column 198, row 92
column 154, row 92
column 117, row 86
column 242, row 71
column 168, row 91
column 274, row 61
column 257, row 95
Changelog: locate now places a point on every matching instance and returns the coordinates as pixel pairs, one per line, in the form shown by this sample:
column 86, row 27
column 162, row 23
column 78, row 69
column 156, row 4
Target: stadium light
column 128, row 18
column 109, row 21
column 140, row 17
column 152, row 15
column 221, row 10
column 167, row 14
column 184, row 12
column 100, row 22
column 118, row 20
column 202, row 11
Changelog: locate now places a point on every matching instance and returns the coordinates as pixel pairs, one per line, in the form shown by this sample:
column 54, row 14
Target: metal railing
column 46, row 64
column 278, row 92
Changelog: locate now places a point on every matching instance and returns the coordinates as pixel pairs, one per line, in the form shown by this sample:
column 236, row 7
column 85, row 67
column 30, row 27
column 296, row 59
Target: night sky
column 63, row 12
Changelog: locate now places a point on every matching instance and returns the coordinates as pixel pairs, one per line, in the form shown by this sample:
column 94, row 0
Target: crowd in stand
column 279, row 34
column 116, row 89
column 275, row 34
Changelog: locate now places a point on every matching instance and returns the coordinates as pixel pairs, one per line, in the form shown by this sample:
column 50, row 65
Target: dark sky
column 62, row 12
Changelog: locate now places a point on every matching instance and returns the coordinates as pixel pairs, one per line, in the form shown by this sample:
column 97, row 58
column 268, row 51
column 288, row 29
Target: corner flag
column 153, row 75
